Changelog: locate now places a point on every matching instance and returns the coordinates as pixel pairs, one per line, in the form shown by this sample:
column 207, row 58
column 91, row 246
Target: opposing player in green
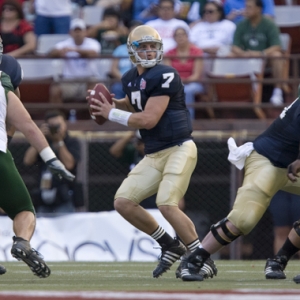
column 15, row 199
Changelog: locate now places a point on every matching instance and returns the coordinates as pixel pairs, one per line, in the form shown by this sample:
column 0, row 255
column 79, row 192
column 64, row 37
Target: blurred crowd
column 208, row 28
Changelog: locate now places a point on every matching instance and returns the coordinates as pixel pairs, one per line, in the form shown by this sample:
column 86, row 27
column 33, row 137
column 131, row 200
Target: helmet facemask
column 134, row 47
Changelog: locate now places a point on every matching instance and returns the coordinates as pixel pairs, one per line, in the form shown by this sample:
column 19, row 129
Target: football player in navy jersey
column 272, row 163
column 155, row 105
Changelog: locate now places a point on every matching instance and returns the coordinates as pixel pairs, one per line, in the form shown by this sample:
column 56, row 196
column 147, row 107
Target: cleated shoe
column 169, row 255
column 297, row 279
column 194, row 264
column 2, row 270
column 190, row 271
column 275, row 266
column 180, row 266
column 209, row 269
column 21, row 250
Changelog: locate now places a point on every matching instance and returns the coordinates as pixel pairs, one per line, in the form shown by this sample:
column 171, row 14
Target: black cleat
column 275, row 266
column 297, row 279
column 21, row 250
column 190, row 271
column 169, row 255
column 2, row 270
column 208, row 270
column 193, row 266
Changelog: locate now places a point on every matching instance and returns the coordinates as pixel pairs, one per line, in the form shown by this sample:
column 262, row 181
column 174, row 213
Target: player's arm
column 146, row 119
column 19, row 117
column 30, row 156
column 9, row 128
column 123, row 104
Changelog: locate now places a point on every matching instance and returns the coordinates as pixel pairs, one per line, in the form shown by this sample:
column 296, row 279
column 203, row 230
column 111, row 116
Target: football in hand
column 95, row 93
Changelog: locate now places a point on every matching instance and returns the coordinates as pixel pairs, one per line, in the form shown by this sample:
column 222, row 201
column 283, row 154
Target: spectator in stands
column 259, row 36
column 77, row 49
column 20, row 1
column 110, row 32
column 108, row 3
column 54, row 195
column 189, row 67
column 235, row 9
column 144, row 10
column 191, row 10
column 214, row 32
column 52, row 16
column 17, row 34
column 166, row 24
column 285, row 210
column 121, row 65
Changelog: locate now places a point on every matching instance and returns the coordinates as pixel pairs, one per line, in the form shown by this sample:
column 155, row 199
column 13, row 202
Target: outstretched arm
column 19, row 117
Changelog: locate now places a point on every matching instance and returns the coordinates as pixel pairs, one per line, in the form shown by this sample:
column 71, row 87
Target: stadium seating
column 287, row 19
column 37, row 77
column 232, row 80
column 92, row 14
column 46, row 42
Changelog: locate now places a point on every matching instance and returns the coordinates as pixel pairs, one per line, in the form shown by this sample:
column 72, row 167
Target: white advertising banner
column 103, row 236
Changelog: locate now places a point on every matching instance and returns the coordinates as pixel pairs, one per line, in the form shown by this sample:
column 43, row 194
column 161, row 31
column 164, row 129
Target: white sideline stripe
column 230, row 295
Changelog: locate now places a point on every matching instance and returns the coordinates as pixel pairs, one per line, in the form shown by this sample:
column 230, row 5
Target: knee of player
column 224, row 232
column 121, row 205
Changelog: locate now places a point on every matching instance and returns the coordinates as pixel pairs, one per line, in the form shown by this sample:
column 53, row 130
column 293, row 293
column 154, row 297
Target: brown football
column 95, row 93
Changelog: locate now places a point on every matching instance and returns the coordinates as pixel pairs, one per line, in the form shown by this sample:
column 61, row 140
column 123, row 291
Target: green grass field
column 135, row 276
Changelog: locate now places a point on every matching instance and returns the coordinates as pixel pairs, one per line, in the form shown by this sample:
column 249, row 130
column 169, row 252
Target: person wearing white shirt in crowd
column 81, row 68
column 52, row 16
column 166, row 24
column 214, row 32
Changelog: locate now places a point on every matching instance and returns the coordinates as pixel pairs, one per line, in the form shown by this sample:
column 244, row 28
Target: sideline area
column 203, row 295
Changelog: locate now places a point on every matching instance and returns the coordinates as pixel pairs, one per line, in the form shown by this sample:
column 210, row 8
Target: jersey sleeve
column 12, row 68
column 165, row 83
column 6, row 83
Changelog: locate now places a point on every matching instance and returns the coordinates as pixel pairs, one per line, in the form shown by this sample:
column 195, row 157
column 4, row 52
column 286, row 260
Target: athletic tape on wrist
column 47, row 154
column 119, row 116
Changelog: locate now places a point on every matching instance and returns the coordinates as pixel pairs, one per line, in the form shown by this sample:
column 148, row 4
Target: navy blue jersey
column 280, row 142
column 12, row 68
column 175, row 126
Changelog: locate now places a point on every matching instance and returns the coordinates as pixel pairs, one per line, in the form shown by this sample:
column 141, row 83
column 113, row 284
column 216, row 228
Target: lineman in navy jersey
column 272, row 163
column 155, row 105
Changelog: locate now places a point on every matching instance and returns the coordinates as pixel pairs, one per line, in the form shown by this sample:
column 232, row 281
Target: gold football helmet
column 144, row 34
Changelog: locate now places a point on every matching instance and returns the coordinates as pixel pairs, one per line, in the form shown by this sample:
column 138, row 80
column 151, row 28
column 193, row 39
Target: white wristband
column 119, row 116
column 47, row 154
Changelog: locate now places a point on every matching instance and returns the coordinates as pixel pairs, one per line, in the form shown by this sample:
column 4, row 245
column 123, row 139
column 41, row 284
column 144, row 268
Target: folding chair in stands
column 288, row 21
column 92, row 14
column 38, row 75
column 226, row 89
column 46, row 42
